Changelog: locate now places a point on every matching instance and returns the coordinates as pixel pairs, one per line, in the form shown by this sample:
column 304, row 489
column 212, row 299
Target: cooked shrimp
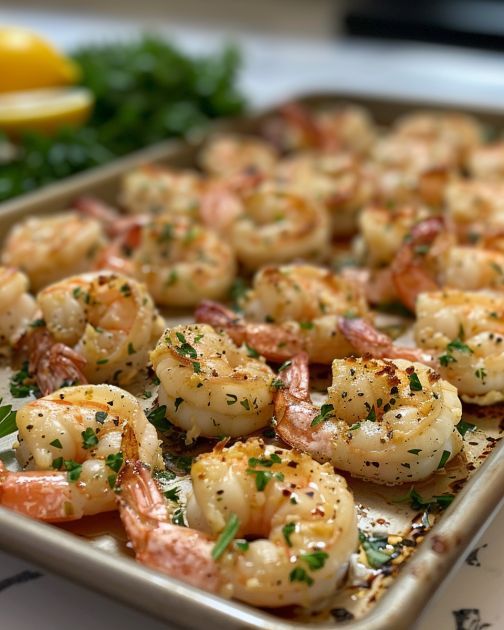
column 17, row 306
column 429, row 259
column 386, row 421
column 225, row 155
column 109, row 320
column 475, row 208
column 347, row 127
column 409, row 169
column 73, row 443
column 210, row 386
column 457, row 130
column 277, row 226
column 340, row 181
column 154, row 190
column 486, row 162
column 383, row 230
column 182, row 262
column 50, row 248
column 299, row 516
column 290, row 309
column 467, row 330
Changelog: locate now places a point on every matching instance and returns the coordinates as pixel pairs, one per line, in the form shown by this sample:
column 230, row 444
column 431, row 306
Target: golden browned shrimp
column 386, row 421
column 17, row 307
column 290, row 309
column 225, row 155
column 49, row 248
column 299, row 516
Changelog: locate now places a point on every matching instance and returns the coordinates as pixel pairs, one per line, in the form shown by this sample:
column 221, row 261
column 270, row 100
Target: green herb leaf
column 444, row 458
column 298, row 574
column 73, row 469
column 231, row 399
column 57, row 463
column 415, row 451
column 157, row 417
column 315, row 560
column 325, row 413
column 56, row 443
column 178, row 402
column 373, row 548
column 306, row 325
column 287, row 530
column 245, row 404
column 463, row 427
column 242, row 545
column 251, row 352
column 101, row 416
column 458, row 344
column 115, row 461
column 7, row 420
column 414, row 382
column 226, row 537
column 371, row 415
column 89, row 438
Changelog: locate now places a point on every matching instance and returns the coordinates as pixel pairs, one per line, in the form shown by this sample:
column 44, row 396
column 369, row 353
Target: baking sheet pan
column 400, row 600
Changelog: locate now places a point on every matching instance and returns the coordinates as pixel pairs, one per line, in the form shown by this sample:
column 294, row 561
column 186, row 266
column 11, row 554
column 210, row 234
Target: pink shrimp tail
column 43, row 495
column 270, row 340
column 52, row 364
column 409, row 269
column 367, row 340
column 178, row 551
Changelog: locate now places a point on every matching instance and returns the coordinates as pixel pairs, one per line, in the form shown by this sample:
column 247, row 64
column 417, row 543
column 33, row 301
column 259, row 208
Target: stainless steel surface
column 130, row 582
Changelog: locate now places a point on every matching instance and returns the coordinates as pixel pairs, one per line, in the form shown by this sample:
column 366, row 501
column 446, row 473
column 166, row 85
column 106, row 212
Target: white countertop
column 274, row 69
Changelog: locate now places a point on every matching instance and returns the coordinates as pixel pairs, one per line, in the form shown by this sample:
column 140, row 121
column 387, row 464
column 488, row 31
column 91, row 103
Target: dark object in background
column 474, row 23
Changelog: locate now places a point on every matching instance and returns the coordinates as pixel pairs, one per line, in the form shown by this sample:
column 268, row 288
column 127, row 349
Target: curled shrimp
column 383, row 230
column 292, row 308
column 300, row 517
column 225, row 155
column 17, row 307
column 387, row 421
column 277, row 226
column 49, row 248
column 182, row 262
column 409, row 169
column 455, row 129
column 475, row 208
column 72, row 444
column 107, row 319
column 429, row 259
column 340, row 181
column 209, row 385
column 154, row 190
column 346, row 127
column 466, row 330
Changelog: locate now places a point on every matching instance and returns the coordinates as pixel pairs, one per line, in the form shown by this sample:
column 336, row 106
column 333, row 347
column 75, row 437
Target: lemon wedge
column 44, row 110
column 28, row 61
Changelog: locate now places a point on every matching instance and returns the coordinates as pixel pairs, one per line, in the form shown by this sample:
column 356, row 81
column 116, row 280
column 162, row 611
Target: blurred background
column 447, row 51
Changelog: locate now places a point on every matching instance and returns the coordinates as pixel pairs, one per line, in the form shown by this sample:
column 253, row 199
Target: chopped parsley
column 287, row 530
column 444, row 458
column 102, row 361
column 252, row 352
column 298, row 574
column 157, row 417
column 231, row 399
column 38, row 323
column 89, row 438
column 414, row 382
column 242, row 545
column 373, row 548
column 315, row 560
column 463, row 427
column 325, row 413
column 56, row 443
column 101, row 416
column 245, row 404
column 277, row 383
column 115, row 461
column 196, row 367
column 7, row 420
column 306, row 325
column 73, row 469
column 417, row 502
column 57, row 463
column 226, row 536
column 131, row 348
column 480, row 373
column 21, row 383
column 185, row 348
column 415, row 451
column 178, row 402
column 263, row 476
column 173, row 494
column 371, row 415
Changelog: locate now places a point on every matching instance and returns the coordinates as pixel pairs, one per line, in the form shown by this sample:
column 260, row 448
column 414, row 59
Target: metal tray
column 60, row 550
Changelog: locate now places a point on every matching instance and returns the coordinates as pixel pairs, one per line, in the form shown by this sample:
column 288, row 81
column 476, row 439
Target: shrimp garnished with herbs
column 49, row 248
column 209, row 385
column 278, row 226
column 299, row 516
column 107, row 320
column 466, row 330
column 290, row 309
column 72, row 444
column 387, row 421
column 17, row 307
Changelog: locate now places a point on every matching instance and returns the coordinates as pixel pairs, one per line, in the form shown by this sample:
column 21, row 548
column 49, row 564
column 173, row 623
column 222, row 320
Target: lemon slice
column 44, row 110
column 28, row 61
